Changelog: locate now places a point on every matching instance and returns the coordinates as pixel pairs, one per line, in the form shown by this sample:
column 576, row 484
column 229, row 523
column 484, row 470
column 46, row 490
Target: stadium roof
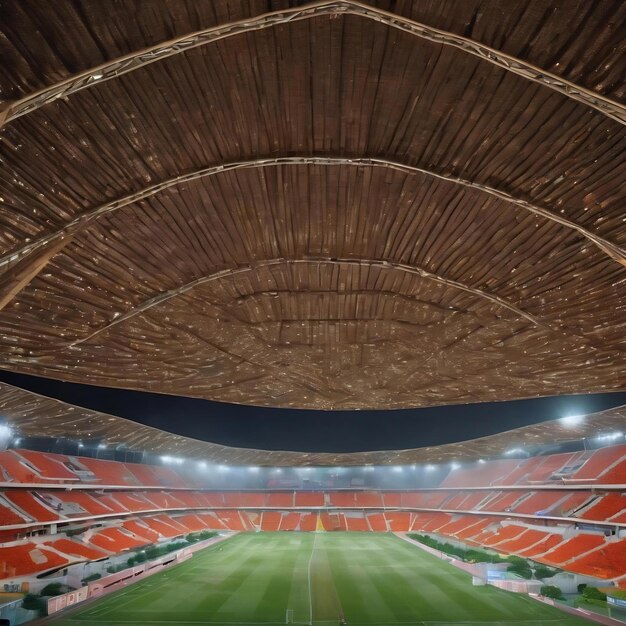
column 33, row 415
column 323, row 205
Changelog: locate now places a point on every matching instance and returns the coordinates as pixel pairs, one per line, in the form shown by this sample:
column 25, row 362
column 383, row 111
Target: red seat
column 270, row 520
column 607, row 507
column 549, row 542
column 49, row 466
column 539, row 501
column 398, row 521
column 142, row 529
column 308, row 521
column 607, row 562
column 357, row 522
column 8, row 517
column 76, row 549
column 571, row 548
column 114, row 540
column 368, row 499
column 377, row 522
column 309, row 498
column 602, row 465
column 290, row 521
column 27, row 558
column 280, row 499
column 31, row 505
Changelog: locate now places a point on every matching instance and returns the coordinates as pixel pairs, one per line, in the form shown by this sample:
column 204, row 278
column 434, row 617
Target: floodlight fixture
column 571, row 421
column 610, row 436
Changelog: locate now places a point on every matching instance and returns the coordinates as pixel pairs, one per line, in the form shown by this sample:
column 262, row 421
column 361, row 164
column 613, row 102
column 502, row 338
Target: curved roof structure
column 331, row 205
column 33, row 415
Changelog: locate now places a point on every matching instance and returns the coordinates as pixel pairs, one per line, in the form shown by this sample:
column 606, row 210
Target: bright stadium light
column 610, row 436
column 202, row 464
column 481, row 461
column 222, row 468
column 253, row 469
column 102, row 446
column 397, row 468
column 278, row 470
column 454, row 465
column 413, row 466
column 81, row 444
column 430, row 468
column 514, row 451
column 5, row 432
column 571, row 421
column 18, row 441
column 166, row 459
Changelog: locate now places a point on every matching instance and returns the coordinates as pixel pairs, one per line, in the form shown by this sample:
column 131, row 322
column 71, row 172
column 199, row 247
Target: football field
column 261, row 578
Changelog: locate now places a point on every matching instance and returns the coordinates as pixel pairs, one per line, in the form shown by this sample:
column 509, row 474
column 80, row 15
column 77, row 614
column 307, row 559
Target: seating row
column 30, row 507
column 582, row 551
column 603, row 466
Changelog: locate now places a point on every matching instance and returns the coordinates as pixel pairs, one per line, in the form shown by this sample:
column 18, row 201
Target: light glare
column 571, row 421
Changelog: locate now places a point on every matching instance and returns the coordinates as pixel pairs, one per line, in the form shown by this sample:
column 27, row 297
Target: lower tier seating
column 585, row 552
column 28, row 558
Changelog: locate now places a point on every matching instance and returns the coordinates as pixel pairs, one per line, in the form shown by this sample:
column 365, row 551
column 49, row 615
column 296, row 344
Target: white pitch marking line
column 309, row 577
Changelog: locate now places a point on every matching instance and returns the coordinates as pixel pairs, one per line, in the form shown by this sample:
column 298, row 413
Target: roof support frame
column 131, row 62
column 81, row 221
column 229, row 272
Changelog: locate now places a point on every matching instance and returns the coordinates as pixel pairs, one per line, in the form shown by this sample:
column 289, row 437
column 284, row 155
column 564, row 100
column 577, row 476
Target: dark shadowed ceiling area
column 336, row 205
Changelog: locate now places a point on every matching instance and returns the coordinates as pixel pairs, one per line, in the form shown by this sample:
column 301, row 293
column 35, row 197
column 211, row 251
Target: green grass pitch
column 371, row 578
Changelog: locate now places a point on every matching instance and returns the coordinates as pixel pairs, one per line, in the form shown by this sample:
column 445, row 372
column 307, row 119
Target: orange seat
column 270, row 520
column 369, row 499
column 607, row 562
column 27, row 558
column 109, row 472
column 377, row 522
column 280, row 499
column 48, row 465
column 309, row 498
column 398, row 521
column 114, row 540
column 141, row 529
column 570, row 548
column 76, row 549
column 539, row 501
column 602, row 464
column 31, row 505
column 290, row 521
column 606, row 507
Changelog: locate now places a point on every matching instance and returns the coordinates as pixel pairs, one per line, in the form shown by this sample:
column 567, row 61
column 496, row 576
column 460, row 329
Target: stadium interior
column 332, row 205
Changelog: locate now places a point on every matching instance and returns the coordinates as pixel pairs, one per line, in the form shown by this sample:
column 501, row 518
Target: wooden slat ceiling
column 33, row 415
column 339, row 205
